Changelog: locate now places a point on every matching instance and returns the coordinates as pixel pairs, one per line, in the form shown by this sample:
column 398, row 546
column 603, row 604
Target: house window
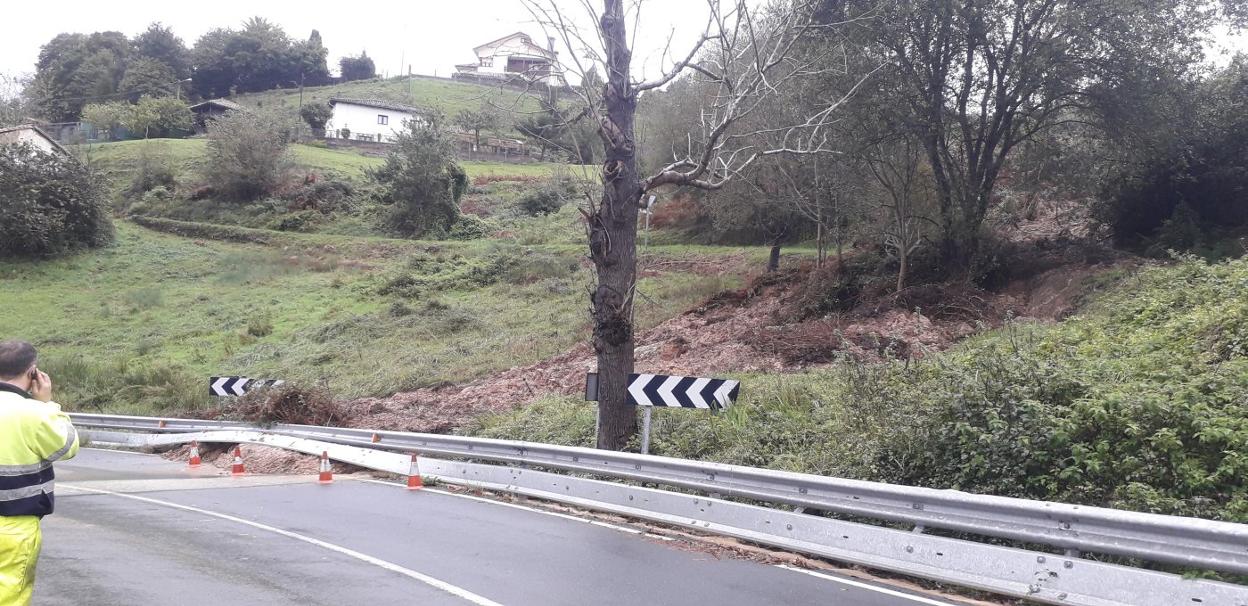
column 487, row 61
column 383, row 119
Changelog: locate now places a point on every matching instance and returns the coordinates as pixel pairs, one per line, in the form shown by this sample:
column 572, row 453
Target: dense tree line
column 75, row 70
column 966, row 104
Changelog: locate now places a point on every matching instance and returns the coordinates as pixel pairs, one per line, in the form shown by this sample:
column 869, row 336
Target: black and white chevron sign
column 675, row 392
column 237, row 386
column 681, row 392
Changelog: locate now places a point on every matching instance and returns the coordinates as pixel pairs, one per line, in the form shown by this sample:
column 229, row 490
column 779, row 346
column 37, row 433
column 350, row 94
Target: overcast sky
column 430, row 35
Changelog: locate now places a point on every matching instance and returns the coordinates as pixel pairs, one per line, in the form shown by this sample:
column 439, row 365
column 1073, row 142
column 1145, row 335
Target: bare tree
column 746, row 56
column 14, row 106
column 897, row 163
column 982, row 77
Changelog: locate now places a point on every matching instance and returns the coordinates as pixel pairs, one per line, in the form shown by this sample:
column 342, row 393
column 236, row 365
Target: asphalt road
column 135, row 529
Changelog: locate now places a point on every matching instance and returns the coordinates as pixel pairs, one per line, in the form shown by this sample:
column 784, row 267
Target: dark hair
column 16, row 357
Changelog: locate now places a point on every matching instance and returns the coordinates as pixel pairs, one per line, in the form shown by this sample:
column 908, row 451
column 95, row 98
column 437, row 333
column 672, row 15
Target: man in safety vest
column 34, row 433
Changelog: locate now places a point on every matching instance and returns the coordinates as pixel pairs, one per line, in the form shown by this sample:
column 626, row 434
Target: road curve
column 135, row 529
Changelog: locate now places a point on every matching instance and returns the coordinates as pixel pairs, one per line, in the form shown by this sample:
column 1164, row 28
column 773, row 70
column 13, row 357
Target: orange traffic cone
column 413, row 476
column 327, row 473
column 237, row 468
column 195, row 460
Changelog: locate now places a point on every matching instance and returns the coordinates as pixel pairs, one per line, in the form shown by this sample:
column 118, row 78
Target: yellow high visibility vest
column 33, row 435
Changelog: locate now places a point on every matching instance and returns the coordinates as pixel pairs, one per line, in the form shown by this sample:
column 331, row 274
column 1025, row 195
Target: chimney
column 550, row 45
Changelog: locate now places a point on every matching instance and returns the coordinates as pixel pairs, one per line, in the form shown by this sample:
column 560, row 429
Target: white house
column 515, row 56
column 370, row 119
column 29, row 133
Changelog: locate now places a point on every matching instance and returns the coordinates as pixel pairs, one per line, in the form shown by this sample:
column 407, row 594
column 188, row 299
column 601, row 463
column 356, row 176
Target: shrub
column 260, row 326
column 420, row 181
column 324, row 195
column 153, row 169
column 543, row 201
column 247, row 155
column 316, row 115
column 470, row 227
column 49, row 203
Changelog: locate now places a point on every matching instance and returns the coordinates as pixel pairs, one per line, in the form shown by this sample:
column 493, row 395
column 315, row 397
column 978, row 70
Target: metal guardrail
column 1190, row 542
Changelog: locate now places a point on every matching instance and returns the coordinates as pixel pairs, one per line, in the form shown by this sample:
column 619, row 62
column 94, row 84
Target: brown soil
column 749, row 330
column 258, row 459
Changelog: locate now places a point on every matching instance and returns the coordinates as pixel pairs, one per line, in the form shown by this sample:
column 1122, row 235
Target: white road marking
column 423, row 578
column 868, row 586
column 533, row 509
column 859, row 584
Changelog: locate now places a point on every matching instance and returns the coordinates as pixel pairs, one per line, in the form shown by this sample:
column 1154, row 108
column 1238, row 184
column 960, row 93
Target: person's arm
column 54, row 437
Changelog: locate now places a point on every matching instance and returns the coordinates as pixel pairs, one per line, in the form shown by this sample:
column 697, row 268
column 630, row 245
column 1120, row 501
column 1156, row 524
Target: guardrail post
column 645, row 429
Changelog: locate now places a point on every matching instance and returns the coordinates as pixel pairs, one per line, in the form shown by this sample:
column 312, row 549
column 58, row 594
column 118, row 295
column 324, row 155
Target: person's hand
column 41, row 386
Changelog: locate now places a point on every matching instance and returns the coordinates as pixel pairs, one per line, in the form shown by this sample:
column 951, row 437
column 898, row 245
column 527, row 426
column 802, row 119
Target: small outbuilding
column 211, row 109
column 35, row 136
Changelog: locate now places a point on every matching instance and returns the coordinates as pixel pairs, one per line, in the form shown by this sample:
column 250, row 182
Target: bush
column 247, row 155
column 49, row 203
column 154, row 169
column 1197, row 184
column 260, row 326
column 544, row 201
column 316, row 115
column 420, row 181
column 324, row 195
column 470, row 227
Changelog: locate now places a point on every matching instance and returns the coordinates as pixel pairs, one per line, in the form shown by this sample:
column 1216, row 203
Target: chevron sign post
column 681, row 392
column 237, row 386
column 649, row 391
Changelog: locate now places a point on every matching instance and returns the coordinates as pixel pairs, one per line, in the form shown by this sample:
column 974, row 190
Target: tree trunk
column 820, row 247
column 613, row 240
column 773, row 261
column 902, row 258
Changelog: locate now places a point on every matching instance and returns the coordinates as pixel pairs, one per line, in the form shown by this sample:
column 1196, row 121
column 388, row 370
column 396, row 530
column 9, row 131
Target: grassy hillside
column 1137, row 403
column 139, row 326
column 116, row 161
column 449, row 97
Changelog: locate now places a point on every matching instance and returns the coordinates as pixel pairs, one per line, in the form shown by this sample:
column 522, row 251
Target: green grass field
column 115, row 161
column 442, row 95
column 140, row 325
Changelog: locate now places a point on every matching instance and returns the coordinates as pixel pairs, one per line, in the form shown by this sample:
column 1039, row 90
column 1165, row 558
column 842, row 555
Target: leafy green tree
column 357, row 68
column 1193, row 186
column 258, row 57
column 420, row 181
column 477, row 120
column 165, row 116
column 214, row 74
column 247, row 154
column 316, row 115
column 50, row 203
column 977, row 79
column 107, row 117
column 76, row 69
column 313, row 57
column 263, row 57
column 147, row 77
column 159, row 43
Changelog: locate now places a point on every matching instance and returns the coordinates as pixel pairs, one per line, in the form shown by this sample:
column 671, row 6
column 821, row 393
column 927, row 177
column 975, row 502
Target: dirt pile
column 754, row 329
column 257, row 459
